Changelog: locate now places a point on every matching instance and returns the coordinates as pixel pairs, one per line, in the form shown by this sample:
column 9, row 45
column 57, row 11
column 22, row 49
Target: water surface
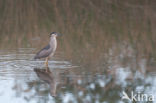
column 25, row 80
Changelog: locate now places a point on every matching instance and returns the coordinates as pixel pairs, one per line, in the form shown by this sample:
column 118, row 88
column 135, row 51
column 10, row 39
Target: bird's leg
column 46, row 62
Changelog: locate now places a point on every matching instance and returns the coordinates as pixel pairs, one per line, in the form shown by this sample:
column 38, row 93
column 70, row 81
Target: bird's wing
column 43, row 52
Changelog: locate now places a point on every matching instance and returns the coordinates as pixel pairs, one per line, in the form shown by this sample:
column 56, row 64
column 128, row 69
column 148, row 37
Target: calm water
column 24, row 80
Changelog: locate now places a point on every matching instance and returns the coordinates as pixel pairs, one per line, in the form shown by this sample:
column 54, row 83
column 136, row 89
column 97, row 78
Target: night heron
column 49, row 50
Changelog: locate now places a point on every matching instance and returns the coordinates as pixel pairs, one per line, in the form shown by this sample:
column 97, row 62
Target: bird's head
column 54, row 34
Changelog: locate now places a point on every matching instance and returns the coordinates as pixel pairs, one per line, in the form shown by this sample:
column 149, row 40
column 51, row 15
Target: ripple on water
column 20, row 63
column 17, row 76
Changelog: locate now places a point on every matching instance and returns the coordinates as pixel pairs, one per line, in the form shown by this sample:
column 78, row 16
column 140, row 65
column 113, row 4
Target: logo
column 137, row 97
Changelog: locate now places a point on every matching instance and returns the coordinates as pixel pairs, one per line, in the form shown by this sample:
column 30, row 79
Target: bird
column 49, row 50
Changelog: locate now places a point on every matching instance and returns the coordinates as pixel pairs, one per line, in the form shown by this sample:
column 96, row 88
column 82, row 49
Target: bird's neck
column 53, row 41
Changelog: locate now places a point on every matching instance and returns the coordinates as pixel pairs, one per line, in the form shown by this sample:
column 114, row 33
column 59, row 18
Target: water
column 25, row 80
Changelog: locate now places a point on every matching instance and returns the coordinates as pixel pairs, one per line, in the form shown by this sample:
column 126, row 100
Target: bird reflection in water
column 49, row 77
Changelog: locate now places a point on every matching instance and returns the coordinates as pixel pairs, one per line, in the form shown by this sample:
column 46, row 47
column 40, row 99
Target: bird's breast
column 53, row 46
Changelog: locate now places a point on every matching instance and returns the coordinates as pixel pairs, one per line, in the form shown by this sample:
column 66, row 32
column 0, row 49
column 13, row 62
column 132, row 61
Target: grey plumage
column 43, row 52
column 48, row 50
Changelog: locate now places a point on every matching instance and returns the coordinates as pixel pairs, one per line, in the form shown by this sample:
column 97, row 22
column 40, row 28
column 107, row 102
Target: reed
column 91, row 28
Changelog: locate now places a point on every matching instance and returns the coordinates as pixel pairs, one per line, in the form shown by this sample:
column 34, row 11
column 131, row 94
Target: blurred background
column 108, row 46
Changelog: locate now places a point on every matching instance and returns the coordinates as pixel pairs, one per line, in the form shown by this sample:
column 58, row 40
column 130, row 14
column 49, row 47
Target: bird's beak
column 58, row 34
